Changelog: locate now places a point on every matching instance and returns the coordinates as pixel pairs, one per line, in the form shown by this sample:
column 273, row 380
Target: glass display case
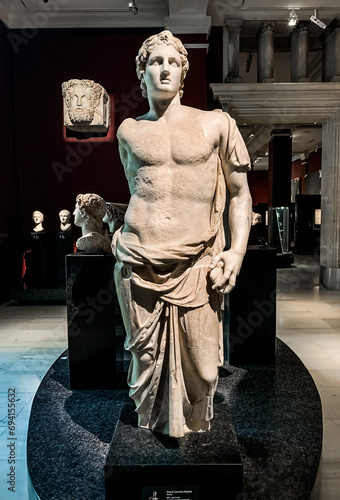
column 278, row 229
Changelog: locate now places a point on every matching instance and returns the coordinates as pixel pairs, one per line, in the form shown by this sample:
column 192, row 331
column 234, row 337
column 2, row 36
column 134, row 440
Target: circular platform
column 276, row 412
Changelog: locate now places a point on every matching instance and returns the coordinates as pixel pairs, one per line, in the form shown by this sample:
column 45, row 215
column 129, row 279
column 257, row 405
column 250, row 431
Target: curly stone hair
column 93, row 207
column 167, row 38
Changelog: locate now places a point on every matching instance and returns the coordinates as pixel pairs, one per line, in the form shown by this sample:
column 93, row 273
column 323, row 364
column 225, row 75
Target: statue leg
column 201, row 357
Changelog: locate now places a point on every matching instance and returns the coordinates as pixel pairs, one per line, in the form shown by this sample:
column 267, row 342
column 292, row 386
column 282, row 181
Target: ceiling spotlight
column 293, row 18
column 133, row 7
column 315, row 20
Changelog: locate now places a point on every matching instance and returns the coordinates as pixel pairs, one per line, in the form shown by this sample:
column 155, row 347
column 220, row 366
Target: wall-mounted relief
column 86, row 106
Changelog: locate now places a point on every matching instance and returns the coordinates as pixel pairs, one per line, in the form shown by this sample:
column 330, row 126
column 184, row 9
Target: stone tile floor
column 308, row 320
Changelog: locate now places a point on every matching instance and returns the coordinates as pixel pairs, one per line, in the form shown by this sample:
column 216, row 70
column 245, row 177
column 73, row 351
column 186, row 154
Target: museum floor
column 32, row 337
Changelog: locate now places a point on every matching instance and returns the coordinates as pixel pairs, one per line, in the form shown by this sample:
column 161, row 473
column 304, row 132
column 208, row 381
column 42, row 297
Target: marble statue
column 86, row 106
column 256, row 218
column 88, row 214
column 65, row 224
column 114, row 216
column 38, row 219
column 172, row 268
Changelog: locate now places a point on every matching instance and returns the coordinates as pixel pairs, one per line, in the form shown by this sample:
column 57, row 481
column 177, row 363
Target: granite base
column 197, row 466
column 250, row 322
column 276, row 413
column 36, row 261
column 65, row 246
column 95, row 349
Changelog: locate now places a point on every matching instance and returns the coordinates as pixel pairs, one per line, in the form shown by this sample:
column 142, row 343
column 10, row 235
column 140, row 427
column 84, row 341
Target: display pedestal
column 94, row 347
column 65, row 246
column 196, row 467
column 36, row 261
column 250, row 319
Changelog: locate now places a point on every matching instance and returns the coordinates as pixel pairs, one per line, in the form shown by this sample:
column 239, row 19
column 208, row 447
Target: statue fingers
column 215, row 261
column 220, row 282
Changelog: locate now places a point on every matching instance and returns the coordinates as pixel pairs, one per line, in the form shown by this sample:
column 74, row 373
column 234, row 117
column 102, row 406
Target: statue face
column 81, row 109
column 79, row 218
column 37, row 218
column 257, row 219
column 163, row 71
column 64, row 217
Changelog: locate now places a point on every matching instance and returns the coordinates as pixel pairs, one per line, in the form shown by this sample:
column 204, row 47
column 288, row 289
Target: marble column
column 330, row 204
column 300, row 52
column 265, row 58
column 330, row 40
column 231, row 56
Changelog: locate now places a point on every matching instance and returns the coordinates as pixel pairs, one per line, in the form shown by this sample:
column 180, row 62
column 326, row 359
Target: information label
column 170, row 493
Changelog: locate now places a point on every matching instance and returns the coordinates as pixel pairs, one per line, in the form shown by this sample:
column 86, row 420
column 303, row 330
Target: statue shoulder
column 125, row 129
column 223, row 117
column 223, row 122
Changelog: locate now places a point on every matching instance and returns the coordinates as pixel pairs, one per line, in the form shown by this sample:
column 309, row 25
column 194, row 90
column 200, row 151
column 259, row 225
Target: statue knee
column 209, row 374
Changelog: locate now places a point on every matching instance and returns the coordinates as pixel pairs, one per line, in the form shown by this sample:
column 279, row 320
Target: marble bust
column 64, row 217
column 256, row 219
column 114, row 216
column 88, row 214
column 172, row 267
column 86, row 106
column 38, row 219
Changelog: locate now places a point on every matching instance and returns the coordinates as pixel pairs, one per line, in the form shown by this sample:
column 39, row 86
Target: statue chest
column 155, row 144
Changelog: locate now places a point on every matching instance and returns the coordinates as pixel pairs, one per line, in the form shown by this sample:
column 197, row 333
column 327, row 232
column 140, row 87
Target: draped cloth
column 172, row 318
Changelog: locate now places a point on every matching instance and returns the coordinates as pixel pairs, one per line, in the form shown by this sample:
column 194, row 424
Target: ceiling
column 178, row 14
column 181, row 16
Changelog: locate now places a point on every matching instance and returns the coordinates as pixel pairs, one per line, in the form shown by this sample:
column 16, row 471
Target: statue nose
column 165, row 69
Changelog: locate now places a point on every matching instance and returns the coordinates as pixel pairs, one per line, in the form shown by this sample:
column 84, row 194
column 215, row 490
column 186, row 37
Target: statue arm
column 235, row 162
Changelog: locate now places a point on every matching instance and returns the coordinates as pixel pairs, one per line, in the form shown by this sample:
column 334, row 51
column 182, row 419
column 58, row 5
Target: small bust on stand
column 88, row 214
column 38, row 218
column 114, row 216
column 65, row 224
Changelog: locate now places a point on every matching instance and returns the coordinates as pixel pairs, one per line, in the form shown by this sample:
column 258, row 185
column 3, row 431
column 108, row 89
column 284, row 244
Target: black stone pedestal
column 65, row 246
column 94, row 348
column 36, row 261
column 198, row 466
column 250, row 319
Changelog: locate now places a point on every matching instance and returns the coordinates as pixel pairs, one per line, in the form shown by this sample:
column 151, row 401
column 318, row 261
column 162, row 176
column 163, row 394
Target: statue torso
column 171, row 169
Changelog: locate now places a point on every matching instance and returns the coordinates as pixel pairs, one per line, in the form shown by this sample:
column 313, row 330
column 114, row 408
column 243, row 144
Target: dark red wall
column 313, row 165
column 8, row 199
column 40, row 64
column 258, row 186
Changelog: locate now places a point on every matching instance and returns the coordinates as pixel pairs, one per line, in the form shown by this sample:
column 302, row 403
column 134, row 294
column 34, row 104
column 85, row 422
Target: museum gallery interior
column 170, row 250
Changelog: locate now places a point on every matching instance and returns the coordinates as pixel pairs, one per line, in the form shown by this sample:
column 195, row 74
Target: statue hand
column 225, row 267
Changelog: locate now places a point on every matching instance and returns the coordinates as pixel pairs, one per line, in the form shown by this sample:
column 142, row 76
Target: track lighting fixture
column 293, row 18
column 133, row 7
column 315, row 20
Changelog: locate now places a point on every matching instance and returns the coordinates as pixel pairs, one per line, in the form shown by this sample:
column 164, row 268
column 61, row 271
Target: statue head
column 81, row 98
column 256, row 219
column 64, row 216
column 166, row 38
column 37, row 217
column 90, row 209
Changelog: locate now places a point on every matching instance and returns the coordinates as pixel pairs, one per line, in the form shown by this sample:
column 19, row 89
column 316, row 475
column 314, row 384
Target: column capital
column 233, row 24
column 303, row 26
column 267, row 27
